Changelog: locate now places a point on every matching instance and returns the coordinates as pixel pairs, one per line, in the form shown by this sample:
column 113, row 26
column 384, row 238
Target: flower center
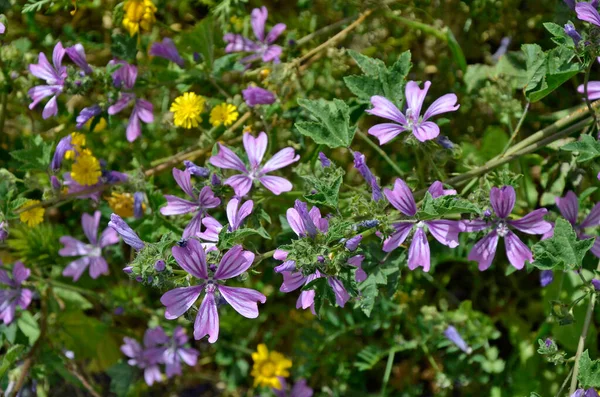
column 502, row 229
column 268, row 369
column 94, row 252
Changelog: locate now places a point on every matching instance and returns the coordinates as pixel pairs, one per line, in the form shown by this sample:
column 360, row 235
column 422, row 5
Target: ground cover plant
column 309, row 198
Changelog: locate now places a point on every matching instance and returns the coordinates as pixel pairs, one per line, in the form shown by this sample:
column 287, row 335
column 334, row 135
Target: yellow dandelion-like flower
column 139, row 14
column 34, row 216
column 86, row 169
column 78, row 142
column 122, row 204
column 268, row 366
column 186, row 110
column 100, row 125
column 224, row 113
column 264, row 73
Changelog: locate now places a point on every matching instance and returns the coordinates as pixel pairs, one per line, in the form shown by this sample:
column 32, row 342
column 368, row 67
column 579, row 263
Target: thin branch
column 516, row 131
column 587, row 98
column 381, row 152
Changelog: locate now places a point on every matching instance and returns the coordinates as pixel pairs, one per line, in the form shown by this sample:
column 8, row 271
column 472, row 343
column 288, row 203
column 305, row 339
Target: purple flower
column 2, row 28
column 596, row 284
column 444, row 231
column 360, row 163
column 54, row 75
column 572, row 33
column 167, row 50
column 569, row 209
column 546, row 277
column 294, row 280
column 15, row 294
column 159, row 265
column 138, row 204
column 127, row 234
column 150, row 356
column 352, row 243
column 258, row 96
column 421, row 128
column 177, row 352
column 87, row 114
column 77, row 55
column 593, row 89
column 591, row 392
column 504, row 43
column 192, row 259
column 200, row 202
column 125, row 78
column 357, row 261
column 90, row 254
column 3, row 231
column 235, row 215
column 63, row 146
column 503, row 202
column 255, row 149
column 570, row 4
column 195, row 170
column 325, row 162
column 300, row 389
column 452, row 334
column 588, row 12
column 263, row 47
column 437, row 190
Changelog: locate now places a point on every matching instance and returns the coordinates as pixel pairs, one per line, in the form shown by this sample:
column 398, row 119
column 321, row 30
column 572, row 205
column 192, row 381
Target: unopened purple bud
column 360, row 163
column 445, row 142
column 287, row 266
column 258, row 96
column 504, row 43
column 127, row 234
column 128, row 269
column 55, row 183
column 325, row 162
column 138, row 204
column 160, row 265
column 546, row 277
column 548, row 342
column 3, row 231
column 596, row 284
column 487, row 213
column 570, row 4
column 352, row 244
column 150, row 278
column 215, row 180
column 63, row 146
column 119, row 310
column 139, row 279
column 14, row 75
column 195, row 170
column 371, row 223
column 320, row 258
column 573, row 33
column 452, row 334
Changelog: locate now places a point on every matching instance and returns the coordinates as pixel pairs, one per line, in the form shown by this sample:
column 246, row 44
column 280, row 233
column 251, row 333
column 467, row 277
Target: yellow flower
column 247, row 129
column 186, row 110
column 265, row 73
column 224, row 113
column 268, row 366
column 139, row 14
column 78, row 142
column 122, row 204
column 34, row 216
column 86, row 169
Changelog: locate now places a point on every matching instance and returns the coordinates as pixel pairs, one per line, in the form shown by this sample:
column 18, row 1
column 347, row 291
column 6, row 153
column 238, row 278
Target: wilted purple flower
column 352, row 243
column 125, row 78
column 3, row 231
column 77, row 55
column 325, row 162
column 421, row 128
column 177, row 352
column 360, row 163
column 63, row 146
column 215, row 180
column 569, row 209
column 596, row 284
column 588, row 12
column 437, row 190
column 591, row 392
column 255, row 149
column 300, row 389
column 444, row 231
column 444, row 142
column 192, row 259
column 150, row 356
column 503, row 202
column 504, row 43
column 258, row 96
column 546, row 277
column 200, row 202
column 15, row 294
column 55, row 183
column 263, row 47
column 138, row 204
column 167, row 50
column 54, row 75
column 195, row 170
column 452, row 334
column 127, row 234
column 90, row 254
column 159, row 265
column 572, row 33
column 87, row 114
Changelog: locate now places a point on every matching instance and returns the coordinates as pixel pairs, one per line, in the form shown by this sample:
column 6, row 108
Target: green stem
column 380, row 151
column 518, row 128
column 585, row 93
column 388, row 371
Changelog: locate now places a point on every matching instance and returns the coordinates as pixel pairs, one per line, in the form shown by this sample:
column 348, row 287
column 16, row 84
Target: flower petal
column 276, row 184
column 282, row 158
column 227, row 159
column 76, row 268
column 384, row 108
column 593, row 218
column 568, row 207
column 178, row 206
column 426, row 131
column 234, row 262
column 194, row 227
column 415, row 97
column 587, row 12
column 207, row 320
column 98, row 266
column 292, row 281
column 385, row 132
column 184, row 180
column 255, row 148
column 395, row 239
column 275, row 32
column 503, row 200
column 418, row 252
column 516, row 251
column 90, row 226
column 444, row 104
column 341, row 295
column 20, row 273
column 72, row 247
column 533, row 223
column 258, row 18
column 401, row 198
column 484, row 251
column 241, row 184
column 108, row 237
column 445, row 231
column 243, row 300
column 192, row 258
column 179, row 300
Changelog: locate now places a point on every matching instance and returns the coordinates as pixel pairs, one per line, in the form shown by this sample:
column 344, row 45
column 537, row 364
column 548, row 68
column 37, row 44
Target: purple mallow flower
column 77, row 55
column 596, row 284
column 138, row 204
column 159, row 265
column 546, row 277
column 54, row 74
column 421, row 128
column 258, row 96
column 591, row 392
column 453, row 336
column 125, row 78
column 15, row 294
column 360, row 163
column 437, row 190
column 255, row 149
column 63, row 146
column 149, row 356
column 177, row 352
column 93, row 192
column 167, row 50
column 192, row 259
column 588, row 12
column 325, row 162
column 352, row 243
column 569, row 209
column 503, row 202
column 444, row 231
column 127, row 234
column 87, row 114
column 201, row 172
column 572, row 33
column 3, row 231
column 90, row 254
column 263, row 48
column 300, row 389
column 200, row 202
column 236, row 215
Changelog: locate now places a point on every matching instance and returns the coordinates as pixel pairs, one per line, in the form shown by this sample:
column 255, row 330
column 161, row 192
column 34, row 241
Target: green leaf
column 36, row 155
column 332, row 127
column 444, row 206
column 587, row 146
column 563, row 251
column 29, row 327
column 560, row 36
column 121, row 378
column 559, row 69
column 589, row 371
column 74, row 300
column 124, row 47
column 9, row 358
column 201, row 39
column 535, row 60
column 229, row 239
column 326, row 187
column 456, row 50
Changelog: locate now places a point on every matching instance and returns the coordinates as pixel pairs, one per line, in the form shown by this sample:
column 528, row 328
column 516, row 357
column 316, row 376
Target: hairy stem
column 586, row 97
column 381, row 152
column 518, row 128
